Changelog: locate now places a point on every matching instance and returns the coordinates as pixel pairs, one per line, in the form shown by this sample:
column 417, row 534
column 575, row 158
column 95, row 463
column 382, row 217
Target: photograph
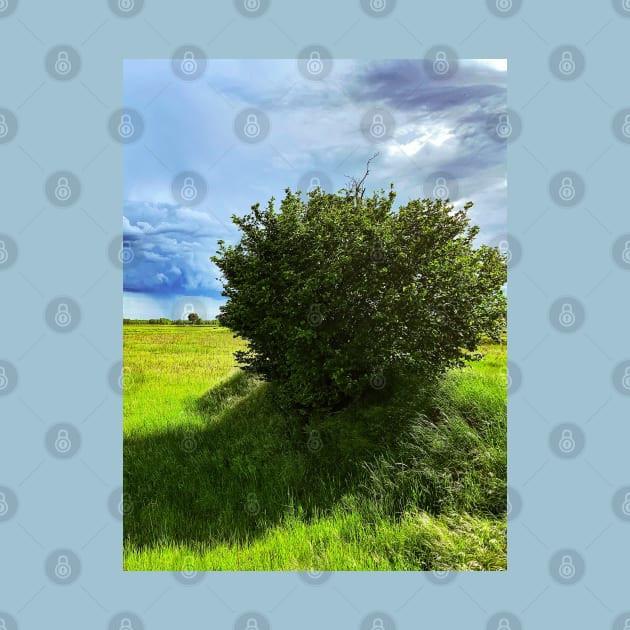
column 282, row 349
column 315, row 366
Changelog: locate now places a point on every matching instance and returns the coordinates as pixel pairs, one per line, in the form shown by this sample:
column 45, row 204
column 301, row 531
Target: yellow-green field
column 216, row 477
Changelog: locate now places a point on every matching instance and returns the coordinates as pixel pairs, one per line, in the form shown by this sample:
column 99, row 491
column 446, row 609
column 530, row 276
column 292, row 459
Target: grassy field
column 216, row 477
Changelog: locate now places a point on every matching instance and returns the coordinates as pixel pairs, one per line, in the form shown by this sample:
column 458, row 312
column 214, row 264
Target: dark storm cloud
column 172, row 246
column 405, row 85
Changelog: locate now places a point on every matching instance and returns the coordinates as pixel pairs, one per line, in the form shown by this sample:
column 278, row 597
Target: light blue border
column 567, row 378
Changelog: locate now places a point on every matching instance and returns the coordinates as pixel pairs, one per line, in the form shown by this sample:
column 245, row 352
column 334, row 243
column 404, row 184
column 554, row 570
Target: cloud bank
column 440, row 129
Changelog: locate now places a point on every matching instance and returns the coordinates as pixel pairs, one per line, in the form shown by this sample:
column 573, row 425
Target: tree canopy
column 336, row 293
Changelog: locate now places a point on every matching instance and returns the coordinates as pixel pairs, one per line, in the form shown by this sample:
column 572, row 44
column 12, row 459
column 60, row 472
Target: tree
column 335, row 294
column 193, row 318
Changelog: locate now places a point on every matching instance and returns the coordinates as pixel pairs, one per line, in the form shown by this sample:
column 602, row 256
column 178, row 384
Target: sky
column 309, row 132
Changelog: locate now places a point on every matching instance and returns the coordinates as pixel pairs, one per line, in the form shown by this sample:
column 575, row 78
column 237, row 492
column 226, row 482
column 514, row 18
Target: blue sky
column 440, row 127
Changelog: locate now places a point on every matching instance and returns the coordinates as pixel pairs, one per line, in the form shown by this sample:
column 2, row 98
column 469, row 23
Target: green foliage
column 336, row 293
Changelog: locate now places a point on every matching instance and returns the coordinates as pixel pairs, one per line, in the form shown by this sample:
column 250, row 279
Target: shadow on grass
column 243, row 467
column 240, row 466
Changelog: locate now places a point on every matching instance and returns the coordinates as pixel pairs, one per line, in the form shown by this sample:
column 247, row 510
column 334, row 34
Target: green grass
column 217, row 477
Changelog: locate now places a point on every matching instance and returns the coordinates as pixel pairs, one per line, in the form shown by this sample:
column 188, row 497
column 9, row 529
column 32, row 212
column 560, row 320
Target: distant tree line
column 192, row 320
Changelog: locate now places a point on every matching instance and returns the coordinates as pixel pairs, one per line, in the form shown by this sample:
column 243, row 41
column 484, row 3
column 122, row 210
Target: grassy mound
column 217, row 477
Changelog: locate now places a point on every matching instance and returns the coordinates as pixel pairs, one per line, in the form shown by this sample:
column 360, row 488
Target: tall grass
column 218, row 477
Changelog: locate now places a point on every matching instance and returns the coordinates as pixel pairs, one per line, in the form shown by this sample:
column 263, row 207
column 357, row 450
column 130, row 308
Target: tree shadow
column 243, row 466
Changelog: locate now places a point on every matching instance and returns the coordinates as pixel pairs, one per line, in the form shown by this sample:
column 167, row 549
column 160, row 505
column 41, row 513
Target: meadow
column 218, row 477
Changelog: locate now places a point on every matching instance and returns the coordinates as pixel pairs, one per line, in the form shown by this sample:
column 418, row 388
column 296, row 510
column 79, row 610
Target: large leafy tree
column 336, row 293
